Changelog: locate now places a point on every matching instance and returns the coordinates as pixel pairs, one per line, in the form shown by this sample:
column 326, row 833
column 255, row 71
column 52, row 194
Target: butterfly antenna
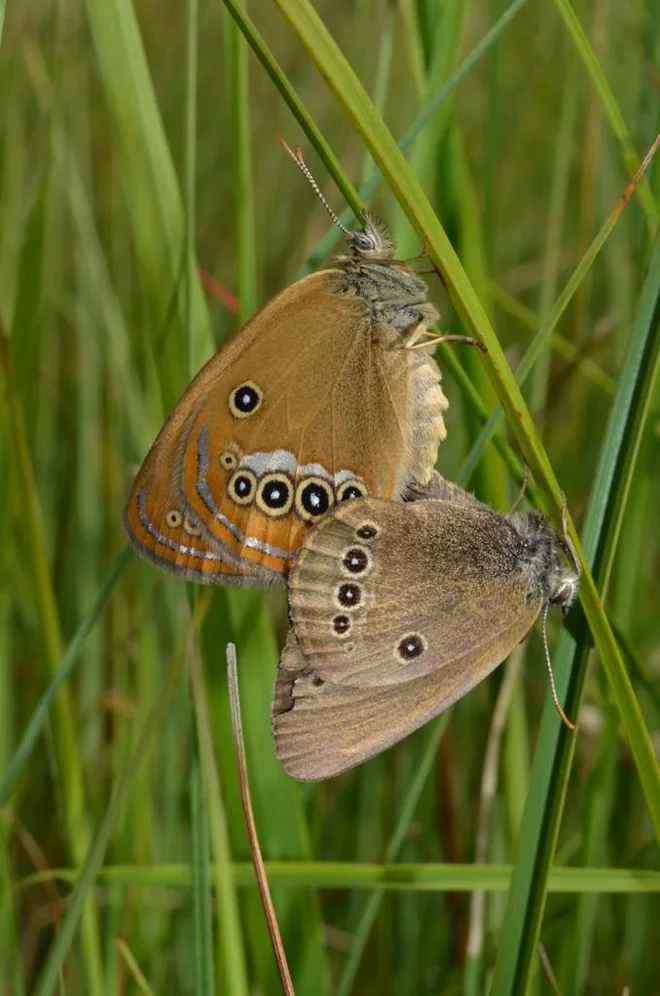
column 553, row 688
column 307, row 173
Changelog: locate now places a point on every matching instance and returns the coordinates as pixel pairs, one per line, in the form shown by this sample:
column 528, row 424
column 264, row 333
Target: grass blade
column 544, row 807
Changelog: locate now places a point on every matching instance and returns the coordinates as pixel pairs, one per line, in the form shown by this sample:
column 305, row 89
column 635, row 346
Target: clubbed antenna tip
column 297, row 157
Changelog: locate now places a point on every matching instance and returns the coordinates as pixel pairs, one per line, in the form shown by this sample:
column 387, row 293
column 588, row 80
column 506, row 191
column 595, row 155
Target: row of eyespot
column 275, row 493
column 349, row 595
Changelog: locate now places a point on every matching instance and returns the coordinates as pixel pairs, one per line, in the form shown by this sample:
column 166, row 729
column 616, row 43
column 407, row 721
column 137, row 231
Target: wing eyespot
column 356, row 560
column 192, row 526
column 242, row 486
column 341, row 625
column 367, row 531
column 275, row 495
column 410, row 647
column 314, row 496
column 348, row 595
column 353, row 488
column 173, row 518
column 245, row 399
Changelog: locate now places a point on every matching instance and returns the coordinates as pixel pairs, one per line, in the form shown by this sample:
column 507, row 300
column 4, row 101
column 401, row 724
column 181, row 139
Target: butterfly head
column 547, row 554
column 373, row 241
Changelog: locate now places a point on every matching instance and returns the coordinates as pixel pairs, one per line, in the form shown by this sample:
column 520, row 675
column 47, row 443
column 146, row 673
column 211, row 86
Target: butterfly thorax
column 396, row 295
column 550, row 579
column 394, row 298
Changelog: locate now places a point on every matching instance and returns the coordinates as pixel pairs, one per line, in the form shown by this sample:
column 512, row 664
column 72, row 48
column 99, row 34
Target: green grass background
column 137, row 142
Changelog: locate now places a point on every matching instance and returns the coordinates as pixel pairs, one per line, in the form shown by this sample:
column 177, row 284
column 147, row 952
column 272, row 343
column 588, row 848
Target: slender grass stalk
column 534, row 351
column 250, row 826
column 134, row 968
column 401, row 876
column 305, row 120
column 82, row 894
column 232, row 971
column 477, row 928
column 553, row 758
column 372, row 906
column 561, row 345
column 555, row 227
column 237, row 93
column 151, row 187
column 598, row 814
column 72, row 783
column 39, row 719
column 201, row 882
column 612, row 110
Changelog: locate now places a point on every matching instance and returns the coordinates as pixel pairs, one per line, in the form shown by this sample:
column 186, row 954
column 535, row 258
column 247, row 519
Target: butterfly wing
column 384, row 593
column 300, row 410
column 322, row 728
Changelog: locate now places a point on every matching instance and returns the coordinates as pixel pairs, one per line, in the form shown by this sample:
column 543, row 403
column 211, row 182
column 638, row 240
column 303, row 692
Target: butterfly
column 398, row 610
column 326, row 395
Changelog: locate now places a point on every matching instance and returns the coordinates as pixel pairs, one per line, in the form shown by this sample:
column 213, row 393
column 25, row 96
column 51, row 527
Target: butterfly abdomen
column 428, row 405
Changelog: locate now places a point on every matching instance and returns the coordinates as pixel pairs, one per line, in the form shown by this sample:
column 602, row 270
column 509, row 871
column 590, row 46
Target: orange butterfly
column 318, row 399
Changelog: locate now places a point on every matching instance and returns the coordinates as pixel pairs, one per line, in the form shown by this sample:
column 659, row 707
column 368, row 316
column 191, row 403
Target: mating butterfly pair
column 279, row 460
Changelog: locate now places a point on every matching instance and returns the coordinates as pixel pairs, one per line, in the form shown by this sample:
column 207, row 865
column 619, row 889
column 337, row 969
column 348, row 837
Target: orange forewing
column 331, row 398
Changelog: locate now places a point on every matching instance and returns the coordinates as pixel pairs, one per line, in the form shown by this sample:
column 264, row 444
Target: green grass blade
column 612, row 110
column 153, row 193
column 35, row 554
column 202, row 897
column 239, row 129
column 543, row 811
column 375, row 901
column 598, row 815
column 535, row 349
column 82, row 893
column 201, row 880
column 298, row 109
column 240, row 617
column 35, row 728
column 232, row 972
column 403, row 876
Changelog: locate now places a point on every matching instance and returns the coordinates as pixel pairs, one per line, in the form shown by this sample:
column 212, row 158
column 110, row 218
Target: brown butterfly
column 398, row 610
column 318, row 399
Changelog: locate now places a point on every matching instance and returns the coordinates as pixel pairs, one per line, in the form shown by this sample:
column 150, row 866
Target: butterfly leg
column 424, row 338
column 423, row 254
column 523, row 490
column 416, row 336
